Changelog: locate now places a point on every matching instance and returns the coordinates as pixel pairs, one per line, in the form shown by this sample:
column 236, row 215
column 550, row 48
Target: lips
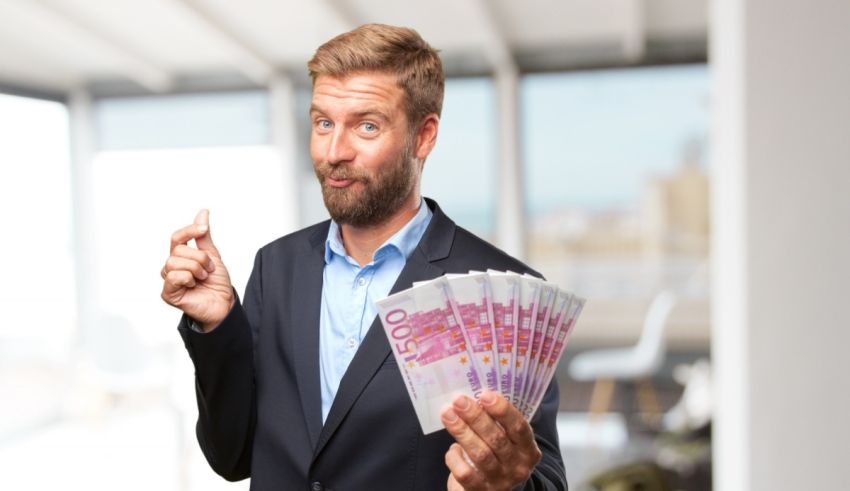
column 338, row 183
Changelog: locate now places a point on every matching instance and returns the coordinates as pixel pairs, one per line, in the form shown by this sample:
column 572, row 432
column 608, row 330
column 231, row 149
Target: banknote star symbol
column 518, row 363
column 486, row 360
column 411, row 364
column 463, row 360
column 504, row 361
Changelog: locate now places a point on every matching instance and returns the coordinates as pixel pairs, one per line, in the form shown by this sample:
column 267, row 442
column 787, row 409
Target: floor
column 146, row 442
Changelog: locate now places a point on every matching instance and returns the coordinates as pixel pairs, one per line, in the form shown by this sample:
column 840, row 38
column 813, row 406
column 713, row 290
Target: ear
column 426, row 137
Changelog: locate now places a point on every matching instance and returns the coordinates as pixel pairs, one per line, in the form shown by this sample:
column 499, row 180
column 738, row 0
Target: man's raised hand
column 195, row 279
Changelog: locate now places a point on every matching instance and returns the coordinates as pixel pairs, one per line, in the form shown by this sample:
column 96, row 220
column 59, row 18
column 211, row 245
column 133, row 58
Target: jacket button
column 317, row 486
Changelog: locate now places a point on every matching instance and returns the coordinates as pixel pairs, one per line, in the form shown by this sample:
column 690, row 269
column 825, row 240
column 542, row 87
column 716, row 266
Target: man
column 296, row 384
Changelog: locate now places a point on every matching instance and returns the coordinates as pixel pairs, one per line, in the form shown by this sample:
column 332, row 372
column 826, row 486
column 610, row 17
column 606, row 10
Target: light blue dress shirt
column 349, row 293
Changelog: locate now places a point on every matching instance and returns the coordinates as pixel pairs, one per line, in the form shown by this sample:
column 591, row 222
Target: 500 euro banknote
column 473, row 308
column 559, row 342
column 430, row 347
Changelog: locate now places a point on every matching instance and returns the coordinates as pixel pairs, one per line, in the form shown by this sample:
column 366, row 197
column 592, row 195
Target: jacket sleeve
column 224, row 383
column 549, row 473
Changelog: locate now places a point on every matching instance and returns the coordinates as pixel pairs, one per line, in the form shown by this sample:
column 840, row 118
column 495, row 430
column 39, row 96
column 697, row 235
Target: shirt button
column 317, row 486
column 361, row 281
column 352, row 343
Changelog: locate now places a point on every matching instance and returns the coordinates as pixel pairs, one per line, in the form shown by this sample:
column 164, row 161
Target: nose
column 339, row 148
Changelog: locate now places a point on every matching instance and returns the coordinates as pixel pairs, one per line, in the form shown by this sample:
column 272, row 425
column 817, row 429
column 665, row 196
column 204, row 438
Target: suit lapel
column 373, row 351
column 305, row 314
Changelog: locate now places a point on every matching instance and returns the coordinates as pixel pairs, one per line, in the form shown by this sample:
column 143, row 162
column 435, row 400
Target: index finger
column 516, row 427
column 187, row 233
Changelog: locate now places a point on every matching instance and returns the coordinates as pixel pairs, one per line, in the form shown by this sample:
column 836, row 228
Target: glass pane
column 35, row 196
column 189, row 120
column 37, row 294
column 461, row 172
column 618, row 192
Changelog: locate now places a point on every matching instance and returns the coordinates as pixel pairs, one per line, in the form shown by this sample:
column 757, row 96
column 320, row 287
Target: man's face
column 361, row 147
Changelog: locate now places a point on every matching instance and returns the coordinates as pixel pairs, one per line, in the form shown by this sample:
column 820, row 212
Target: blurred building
column 675, row 211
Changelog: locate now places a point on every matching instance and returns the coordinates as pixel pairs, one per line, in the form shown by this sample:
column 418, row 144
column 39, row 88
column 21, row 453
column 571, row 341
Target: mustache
column 339, row 172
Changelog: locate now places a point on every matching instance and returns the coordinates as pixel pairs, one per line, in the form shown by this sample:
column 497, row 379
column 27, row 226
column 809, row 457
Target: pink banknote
column 544, row 309
column 504, row 289
column 430, row 348
column 529, row 294
column 557, row 315
column 470, row 297
column 560, row 342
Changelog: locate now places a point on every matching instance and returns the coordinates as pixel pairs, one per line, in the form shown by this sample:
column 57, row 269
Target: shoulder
column 472, row 252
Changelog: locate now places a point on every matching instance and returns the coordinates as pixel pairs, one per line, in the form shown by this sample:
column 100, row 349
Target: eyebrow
column 375, row 112
column 371, row 111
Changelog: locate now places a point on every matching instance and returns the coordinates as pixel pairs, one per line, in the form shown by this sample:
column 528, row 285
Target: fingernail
column 202, row 228
column 462, row 403
column 450, row 416
column 211, row 267
column 488, row 398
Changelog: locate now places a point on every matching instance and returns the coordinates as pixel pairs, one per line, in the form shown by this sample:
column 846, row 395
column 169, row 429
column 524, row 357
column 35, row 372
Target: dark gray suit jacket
column 258, row 390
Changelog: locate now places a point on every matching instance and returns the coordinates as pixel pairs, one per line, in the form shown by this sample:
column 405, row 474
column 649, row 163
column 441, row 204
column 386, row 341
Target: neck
column 362, row 242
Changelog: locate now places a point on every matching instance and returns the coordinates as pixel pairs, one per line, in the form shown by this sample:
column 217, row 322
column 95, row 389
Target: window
column 461, row 171
column 37, row 294
column 617, row 190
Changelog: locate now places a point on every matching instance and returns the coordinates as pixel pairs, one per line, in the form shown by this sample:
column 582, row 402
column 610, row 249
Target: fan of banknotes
column 465, row 333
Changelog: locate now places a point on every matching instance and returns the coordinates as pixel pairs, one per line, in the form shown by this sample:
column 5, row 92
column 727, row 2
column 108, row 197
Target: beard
column 376, row 198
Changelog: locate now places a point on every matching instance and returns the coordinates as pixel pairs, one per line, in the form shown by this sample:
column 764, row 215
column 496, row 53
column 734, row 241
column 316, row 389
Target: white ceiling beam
column 343, row 12
column 495, row 43
column 634, row 34
column 249, row 61
column 133, row 65
column 510, row 232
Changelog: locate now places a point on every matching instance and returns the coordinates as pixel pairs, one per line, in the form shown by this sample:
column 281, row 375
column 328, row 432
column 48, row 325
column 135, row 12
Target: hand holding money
column 495, row 446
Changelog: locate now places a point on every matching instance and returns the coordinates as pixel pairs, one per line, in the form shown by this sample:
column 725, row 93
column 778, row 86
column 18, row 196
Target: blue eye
column 324, row 124
column 369, row 127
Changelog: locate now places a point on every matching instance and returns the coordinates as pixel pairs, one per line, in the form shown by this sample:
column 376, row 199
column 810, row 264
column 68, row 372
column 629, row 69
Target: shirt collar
column 403, row 241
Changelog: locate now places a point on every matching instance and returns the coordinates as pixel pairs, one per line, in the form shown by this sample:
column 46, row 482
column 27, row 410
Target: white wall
column 781, row 210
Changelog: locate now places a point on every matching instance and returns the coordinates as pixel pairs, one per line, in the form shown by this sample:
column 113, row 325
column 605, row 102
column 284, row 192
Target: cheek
column 379, row 157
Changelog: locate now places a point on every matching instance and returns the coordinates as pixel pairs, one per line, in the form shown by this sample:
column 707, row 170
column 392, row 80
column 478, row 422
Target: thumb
column 204, row 242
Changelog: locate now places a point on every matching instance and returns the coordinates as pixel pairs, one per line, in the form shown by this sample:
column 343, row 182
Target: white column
column 284, row 134
column 510, row 211
column 82, row 134
column 634, row 35
column 781, row 244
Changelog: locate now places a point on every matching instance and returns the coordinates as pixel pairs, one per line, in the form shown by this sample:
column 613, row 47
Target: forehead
column 356, row 91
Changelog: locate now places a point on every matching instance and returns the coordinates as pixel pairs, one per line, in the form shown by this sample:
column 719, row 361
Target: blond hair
column 396, row 50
